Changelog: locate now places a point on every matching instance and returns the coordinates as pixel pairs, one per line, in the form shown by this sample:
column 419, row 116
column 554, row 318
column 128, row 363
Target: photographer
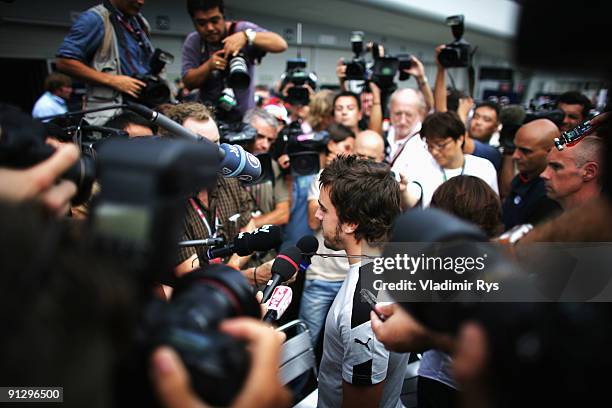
column 482, row 125
column 107, row 47
column 215, row 42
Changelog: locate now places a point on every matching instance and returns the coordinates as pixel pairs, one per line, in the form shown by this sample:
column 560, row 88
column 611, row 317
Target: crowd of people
column 437, row 148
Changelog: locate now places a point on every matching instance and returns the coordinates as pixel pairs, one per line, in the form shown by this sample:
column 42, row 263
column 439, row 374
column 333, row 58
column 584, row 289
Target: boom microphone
column 278, row 303
column 263, row 238
column 236, row 162
column 284, row 267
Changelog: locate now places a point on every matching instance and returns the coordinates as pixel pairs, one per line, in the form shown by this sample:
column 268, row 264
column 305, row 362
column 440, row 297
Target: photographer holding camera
column 108, row 47
column 212, row 48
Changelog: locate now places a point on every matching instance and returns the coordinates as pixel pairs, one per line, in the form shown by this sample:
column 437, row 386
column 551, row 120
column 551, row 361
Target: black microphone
column 263, row 238
column 285, row 265
column 308, row 244
column 236, row 162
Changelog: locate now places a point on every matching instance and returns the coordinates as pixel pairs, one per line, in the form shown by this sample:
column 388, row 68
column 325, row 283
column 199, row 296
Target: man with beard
column 356, row 369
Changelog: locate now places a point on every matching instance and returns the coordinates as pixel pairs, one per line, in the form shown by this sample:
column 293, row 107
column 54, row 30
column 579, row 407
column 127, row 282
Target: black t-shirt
column 528, row 203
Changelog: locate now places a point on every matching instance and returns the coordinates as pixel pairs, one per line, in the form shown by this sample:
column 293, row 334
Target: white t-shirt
column 351, row 352
column 430, row 176
column 326, row 269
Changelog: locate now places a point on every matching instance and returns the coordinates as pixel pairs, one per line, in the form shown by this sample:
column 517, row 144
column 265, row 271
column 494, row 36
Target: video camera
column 303, row 149
column 383, row 69
column 458, row 53
column 156, row 90
column 296, row 74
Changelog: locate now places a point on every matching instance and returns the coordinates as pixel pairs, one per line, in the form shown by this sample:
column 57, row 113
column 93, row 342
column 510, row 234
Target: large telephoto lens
column 238, row 77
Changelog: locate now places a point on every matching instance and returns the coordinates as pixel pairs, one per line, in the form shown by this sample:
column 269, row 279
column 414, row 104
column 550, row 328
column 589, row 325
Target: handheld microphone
column 308, row 245
column 236, row 162
column 278, row 303
column 284, row 267
column 263, row 238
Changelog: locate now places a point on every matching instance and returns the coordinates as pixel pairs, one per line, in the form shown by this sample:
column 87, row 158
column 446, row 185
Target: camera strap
column 139, row 32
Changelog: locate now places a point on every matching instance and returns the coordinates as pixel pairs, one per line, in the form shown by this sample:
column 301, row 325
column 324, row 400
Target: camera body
column 457, row 54
column 302, row 148
column 296, row 74
column 384, row 68
column 356, row 69
column 156, row 90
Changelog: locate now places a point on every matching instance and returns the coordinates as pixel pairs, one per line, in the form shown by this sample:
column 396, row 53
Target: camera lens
column 238, row 77
column 218, row 364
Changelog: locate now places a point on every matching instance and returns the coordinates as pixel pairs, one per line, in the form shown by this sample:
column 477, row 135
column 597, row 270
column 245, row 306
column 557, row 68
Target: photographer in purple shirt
column 214, row 43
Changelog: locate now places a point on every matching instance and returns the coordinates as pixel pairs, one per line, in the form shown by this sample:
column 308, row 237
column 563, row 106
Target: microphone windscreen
column 512, row 115
column 265, row 238
column 239, row 163
column 287, row 262
column 308, row 244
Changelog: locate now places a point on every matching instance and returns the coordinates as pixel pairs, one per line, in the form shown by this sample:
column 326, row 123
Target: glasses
column 439, row 147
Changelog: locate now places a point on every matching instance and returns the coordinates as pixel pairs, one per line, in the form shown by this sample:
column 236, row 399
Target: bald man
column 573, row 176
column 527, row 202
column 370, row 145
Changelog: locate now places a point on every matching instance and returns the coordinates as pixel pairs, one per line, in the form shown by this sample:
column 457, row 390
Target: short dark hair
column 56, row 80
column 339, row 133
column 126, row 118
column 365, row 193
column 204, row 5
column 491, row 105
column 351, row 94
column 471, row 199
column 576, row 98
column 442, row 125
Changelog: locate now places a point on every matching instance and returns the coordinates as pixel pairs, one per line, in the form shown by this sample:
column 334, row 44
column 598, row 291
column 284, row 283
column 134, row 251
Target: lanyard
column 461, row 174
column 211, row 232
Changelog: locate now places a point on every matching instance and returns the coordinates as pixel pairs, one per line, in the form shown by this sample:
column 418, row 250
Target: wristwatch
column 250, row 35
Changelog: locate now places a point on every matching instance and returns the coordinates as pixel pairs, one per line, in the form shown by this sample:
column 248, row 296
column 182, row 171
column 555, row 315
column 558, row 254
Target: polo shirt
column 527, row 203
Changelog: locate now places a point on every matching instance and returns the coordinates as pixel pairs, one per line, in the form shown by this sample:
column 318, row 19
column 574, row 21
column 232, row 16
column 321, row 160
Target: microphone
column 163, row 121
column 236, row 162
column 278, row 303
column 263, row 238
column 308, row 245
column 284, row 267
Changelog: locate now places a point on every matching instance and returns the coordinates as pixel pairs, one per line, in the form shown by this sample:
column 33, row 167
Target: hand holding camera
column 218, row 61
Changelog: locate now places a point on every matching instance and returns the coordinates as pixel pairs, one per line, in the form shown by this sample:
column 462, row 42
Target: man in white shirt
column 358, row 202
column 443, row 133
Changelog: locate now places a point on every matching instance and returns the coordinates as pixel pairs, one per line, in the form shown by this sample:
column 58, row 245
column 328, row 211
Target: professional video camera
column 382, row 70
column 156, row 91
column 303, row 149
column 296, row 74
column 458, row 53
